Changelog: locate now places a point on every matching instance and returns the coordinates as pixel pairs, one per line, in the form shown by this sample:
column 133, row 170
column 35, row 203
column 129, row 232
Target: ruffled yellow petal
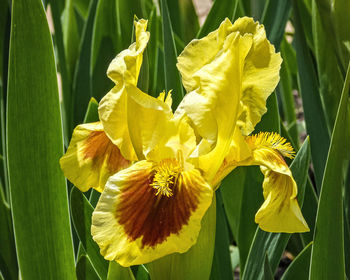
column 135, row 222
column 260, row 74
column 154, row 131
column 280, row 211
column 212, row 69
column 91, row 158
column 124, row 69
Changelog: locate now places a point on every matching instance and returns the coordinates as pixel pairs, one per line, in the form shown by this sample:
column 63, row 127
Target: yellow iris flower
column 164, row 167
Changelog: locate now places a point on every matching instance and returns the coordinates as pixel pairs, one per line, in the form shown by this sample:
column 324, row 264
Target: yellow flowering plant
column 157, row 170
column 216, row 145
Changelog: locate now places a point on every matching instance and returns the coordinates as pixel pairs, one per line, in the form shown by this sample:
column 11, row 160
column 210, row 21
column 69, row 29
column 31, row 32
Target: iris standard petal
column 138, row 219
column 91, row 158
column 154, row 131
column 260, row 74
column 124, row 69
column 218, row 90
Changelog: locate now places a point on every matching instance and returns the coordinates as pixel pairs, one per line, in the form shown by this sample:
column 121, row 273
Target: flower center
column 166, row 176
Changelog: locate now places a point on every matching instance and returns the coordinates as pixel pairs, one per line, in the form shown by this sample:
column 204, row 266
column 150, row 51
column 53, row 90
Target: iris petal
column 91, row 158
column 216, row 85
column 124, row 69
column 280, row 211
column 133, row 225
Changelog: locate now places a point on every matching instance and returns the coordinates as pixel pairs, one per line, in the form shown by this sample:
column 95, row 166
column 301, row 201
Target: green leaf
column 189, row 20
column 327, row 258
column 91, row 114
column 275, row 17
column 63, row 69
column 85, row 270
column 325, row 10
column 346, row 199
column 70, row 37
column 195, row 263
column 143, row 80
column 221, row 268
column 8, row 258
column 82, row 7
column 329, row 74
column 268, row 274
column 142, row 273
column 232, row 188
column 218, row 12
column 34, row 138
column 81, row 211
column 252, row 199
column 340, row 15
column 316, row 127
column 172, row 76
column 4, row 17
column 275, row 243
column 284, row 90
column 152, row 52
column 3, row 163
column 115, row 271
column 270, row 121
column 299, row 268
column 106, row 43
column 82, row 85
column 175, row 16
column 126, row 10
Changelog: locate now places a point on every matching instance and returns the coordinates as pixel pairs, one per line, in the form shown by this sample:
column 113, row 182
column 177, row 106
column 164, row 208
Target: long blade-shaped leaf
column 8, row 258
column 85, row 270
column 316, row 126
column 327, row 258
column 82, row 85
column 274, row 18
column 218, row 12
column 329, row 73
column 172, row 76
column 81, row 214
column 221, row 268
column 106, row 43
column 34, row 140
column 299, row 268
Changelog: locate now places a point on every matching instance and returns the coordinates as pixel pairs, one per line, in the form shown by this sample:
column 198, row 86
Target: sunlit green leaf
column 327, row 258
column 316, row 127
column 34, row 136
